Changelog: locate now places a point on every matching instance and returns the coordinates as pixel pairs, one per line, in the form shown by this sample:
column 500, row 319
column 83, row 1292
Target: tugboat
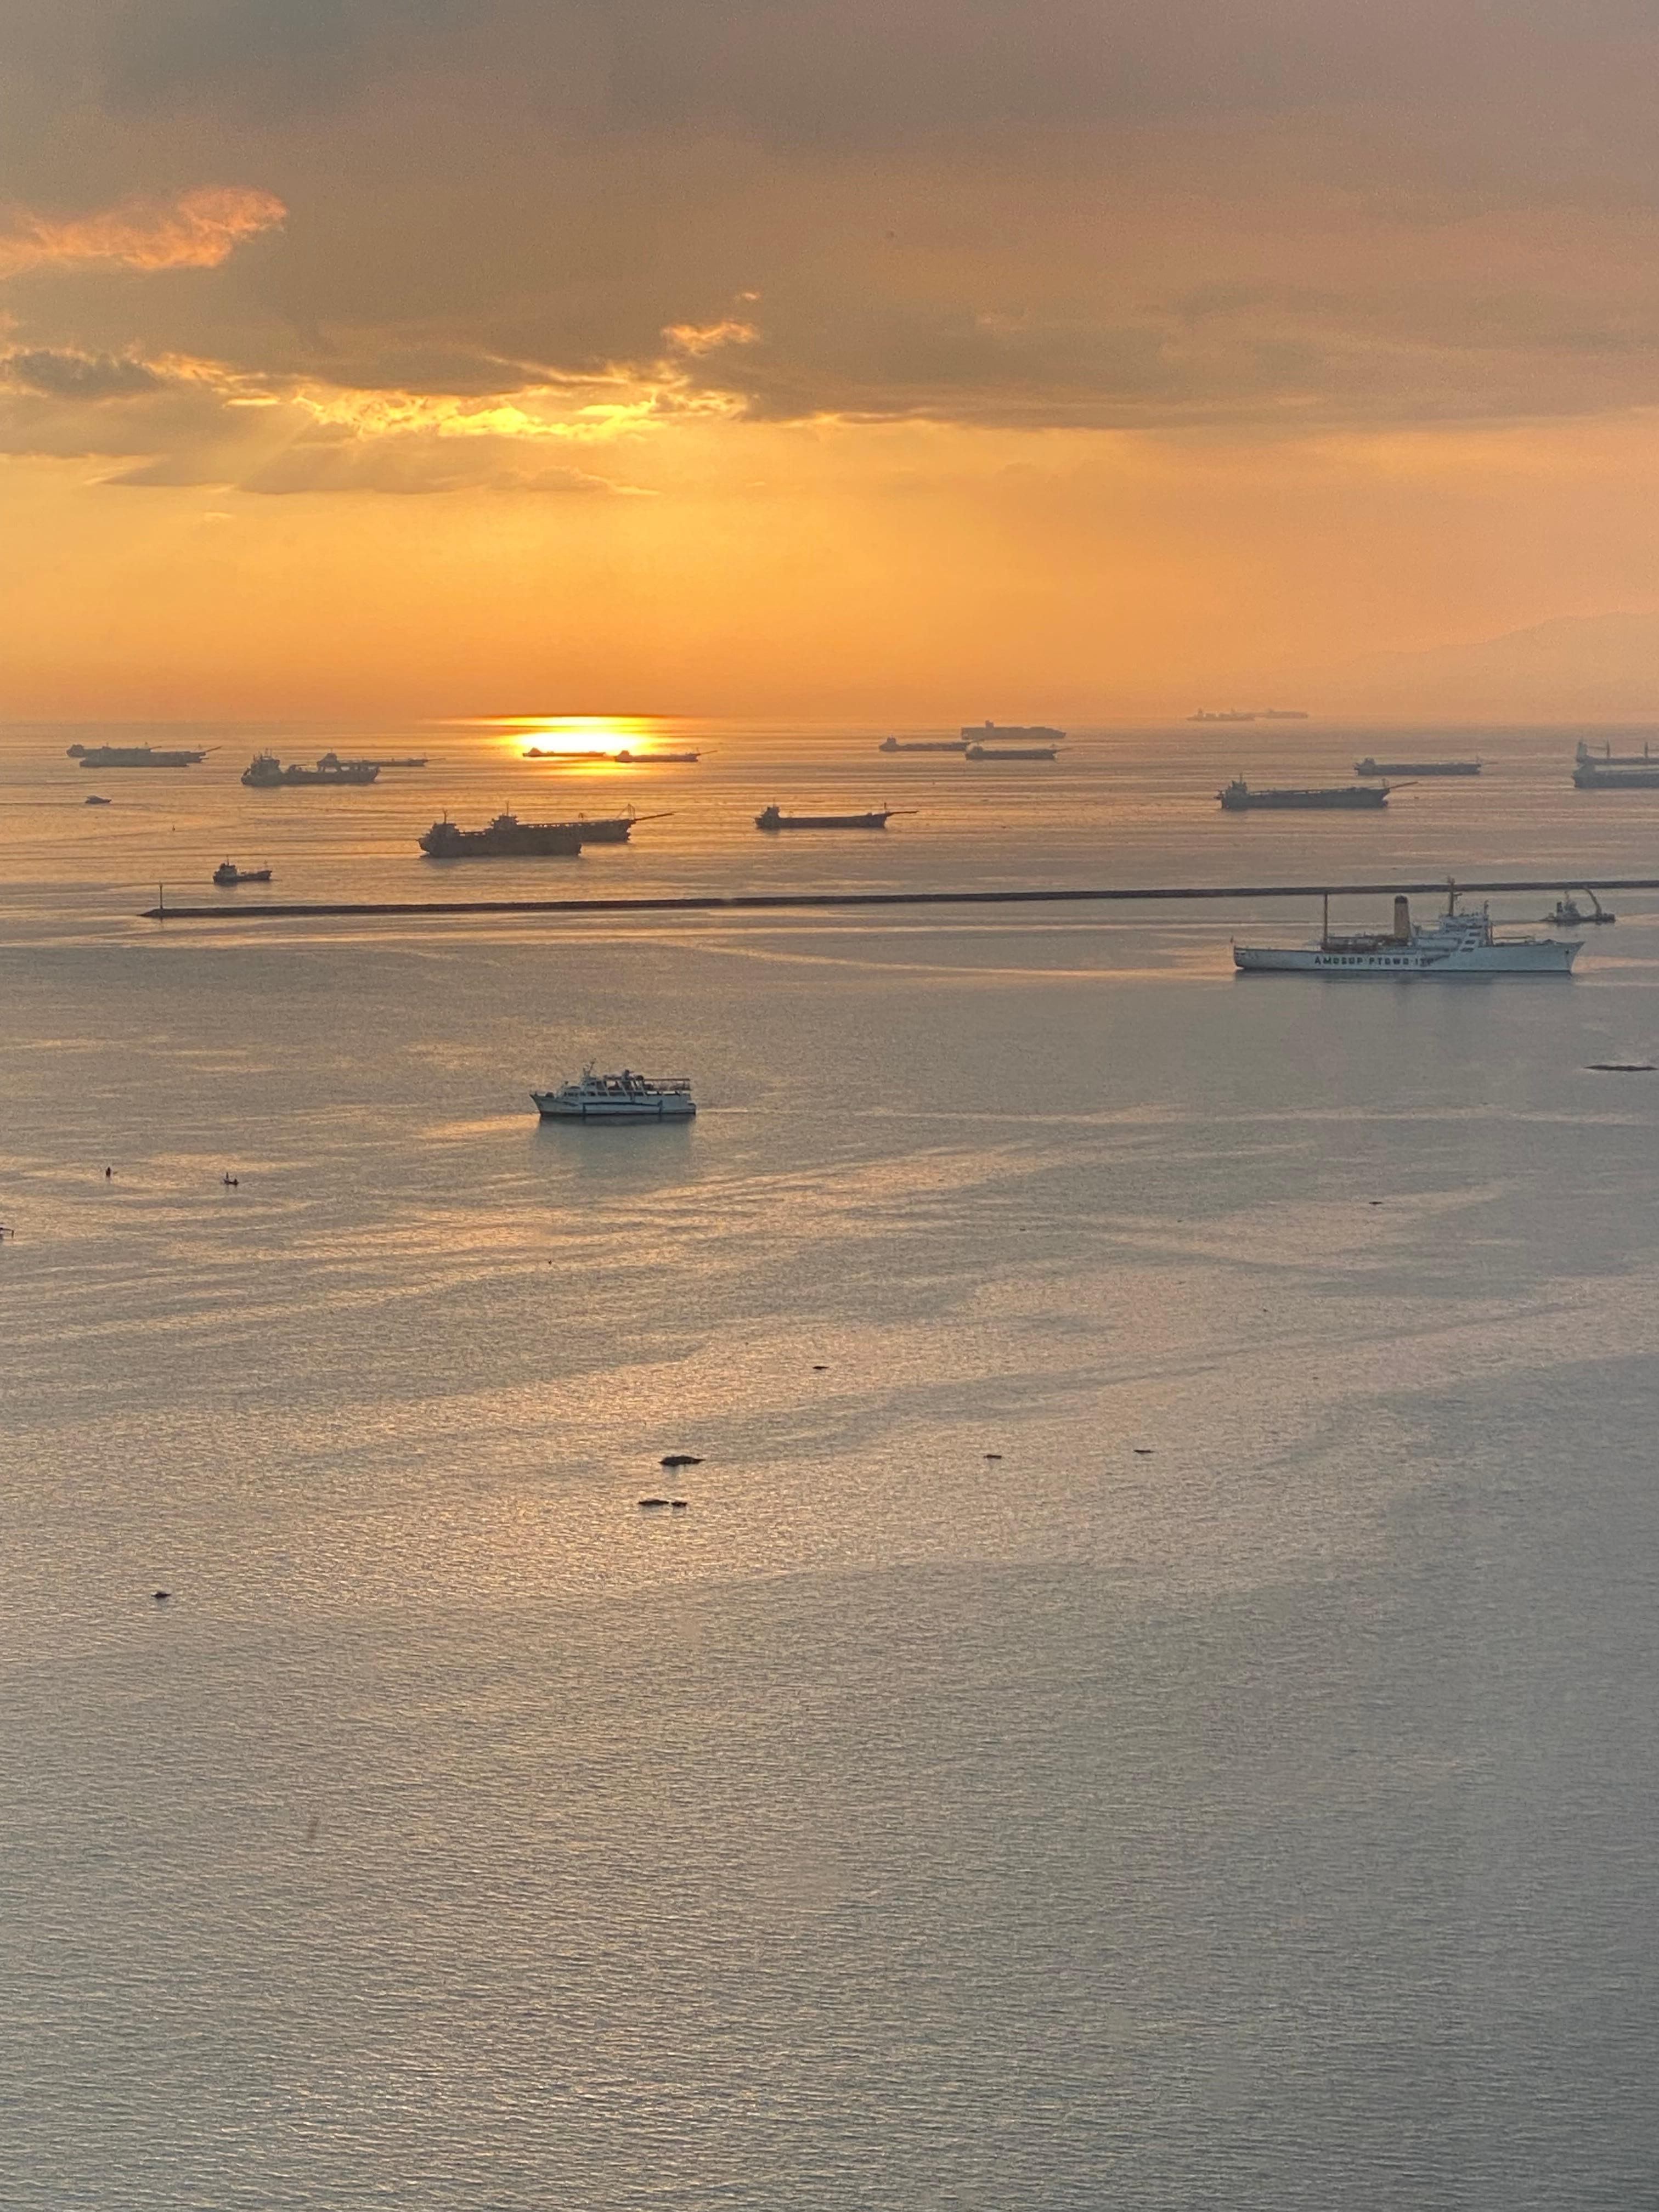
column 1237, row 796
column 227, row 873
column 506, row 838
column 1456, row 944
column 624, row 1098
column 265, row 772
column 772, row 818
column 136, row 755
column 1567, row 913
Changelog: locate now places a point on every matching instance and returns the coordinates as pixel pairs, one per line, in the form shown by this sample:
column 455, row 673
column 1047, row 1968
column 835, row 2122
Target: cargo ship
column 1010, row 752
column 1010, row 733
column 655, row 760
column 265, row 772
column 624, row 1098
column 227, row 873
column 1455, row 944
column 922, row 745
column 136, row 755
column 1227, row 715
column 1594, row 775
column 773, row 817
column 506, row 838
column 1371, row 766
column 1237, row 796
column 411, row 760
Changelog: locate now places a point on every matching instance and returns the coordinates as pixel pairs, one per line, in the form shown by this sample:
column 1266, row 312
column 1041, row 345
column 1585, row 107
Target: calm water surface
column 1238, row 1792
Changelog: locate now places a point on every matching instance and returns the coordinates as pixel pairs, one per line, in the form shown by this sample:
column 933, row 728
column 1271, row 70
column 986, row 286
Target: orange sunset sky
column 456, row 356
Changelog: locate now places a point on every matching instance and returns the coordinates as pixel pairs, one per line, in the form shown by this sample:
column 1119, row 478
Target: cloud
column 195, row 230
column 64, row 375
column 698, row 339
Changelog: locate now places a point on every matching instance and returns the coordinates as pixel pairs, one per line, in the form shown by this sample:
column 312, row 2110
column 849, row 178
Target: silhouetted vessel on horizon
column 922, row 745
column 265, row 772
column 1238, row 798
column 506, row 838
column 1371, row 766
column 227, row 873
column 986, row 735
column 774, row 818
column 137, row 756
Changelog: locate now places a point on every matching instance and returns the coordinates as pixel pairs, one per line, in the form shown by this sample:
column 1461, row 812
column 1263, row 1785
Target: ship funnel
column 1402, row 920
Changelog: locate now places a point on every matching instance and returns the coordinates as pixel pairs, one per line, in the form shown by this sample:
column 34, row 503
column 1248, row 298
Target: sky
column 825, row 359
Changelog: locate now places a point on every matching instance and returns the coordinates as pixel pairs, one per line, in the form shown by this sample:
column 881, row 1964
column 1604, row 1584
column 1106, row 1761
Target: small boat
column 1567, row 913
column 773, row 817
column 229, row 872
column 624, row 1098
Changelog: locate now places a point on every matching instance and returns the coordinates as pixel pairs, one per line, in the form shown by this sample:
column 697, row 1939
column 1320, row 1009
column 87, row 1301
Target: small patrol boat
column 624, row 1098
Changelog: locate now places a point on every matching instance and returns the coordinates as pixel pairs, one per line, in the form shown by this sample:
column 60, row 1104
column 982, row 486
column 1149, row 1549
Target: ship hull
column 552, row 1107
column 1417, row 767
column 1358, row 800
column 152, row 760
column 1617, row 779
column 822, row 822
column 1404, row 963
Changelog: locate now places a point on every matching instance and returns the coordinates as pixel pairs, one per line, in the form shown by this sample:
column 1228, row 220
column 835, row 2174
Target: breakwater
column 807, row 901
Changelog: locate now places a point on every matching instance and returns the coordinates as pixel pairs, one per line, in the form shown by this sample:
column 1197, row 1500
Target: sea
column 1150, row 1700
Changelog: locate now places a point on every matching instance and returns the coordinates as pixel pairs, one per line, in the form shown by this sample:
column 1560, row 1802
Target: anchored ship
column 1371, row 766
column 772, row 818
column 1237, row 797
column 922, row 745
column 1632, row 774
column 412, row 760
column 1014, row 733
column 227, row 873
column 1455, row 945
column 136, row 755
column 506, row 838
column 624, row 1098
column 1010, row 752
column 265, row 772
column 1227, row 715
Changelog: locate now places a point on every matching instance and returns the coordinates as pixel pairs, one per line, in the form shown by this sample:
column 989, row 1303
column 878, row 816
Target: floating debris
column 1142, row 1451
column 161, row 1596
column 652, row 1505
column 994, row 1454
column 679, row 1459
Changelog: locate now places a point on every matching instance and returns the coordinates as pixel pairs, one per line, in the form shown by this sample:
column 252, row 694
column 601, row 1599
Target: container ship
column 1371, row 766
column 1237, row 796
column 1010, row 733
column 506, row 838
column 265, row 772
column 136, row 755
column 1455, row 944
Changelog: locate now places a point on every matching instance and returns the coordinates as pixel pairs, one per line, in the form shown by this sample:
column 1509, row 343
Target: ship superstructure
column 624, row 1098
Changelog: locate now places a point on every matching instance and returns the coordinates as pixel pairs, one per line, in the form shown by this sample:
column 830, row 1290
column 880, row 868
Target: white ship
column 1455, row 945
column 624, row 1098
